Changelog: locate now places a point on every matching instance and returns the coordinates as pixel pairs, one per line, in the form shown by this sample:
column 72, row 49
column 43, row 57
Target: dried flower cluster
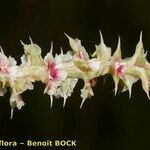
column 61, row 72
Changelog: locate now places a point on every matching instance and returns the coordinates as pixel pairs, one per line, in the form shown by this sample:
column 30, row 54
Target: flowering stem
column 60, row 73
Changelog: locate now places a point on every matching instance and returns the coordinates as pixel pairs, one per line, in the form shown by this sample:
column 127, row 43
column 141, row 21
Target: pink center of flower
column 80, row 55
column 52, row 71
column 120, row 70
column 3, row 67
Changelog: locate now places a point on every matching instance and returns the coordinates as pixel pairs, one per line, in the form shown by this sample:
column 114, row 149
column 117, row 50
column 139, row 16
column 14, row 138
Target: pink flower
column 56, row 73
column 119, row 68
column 52, row 70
